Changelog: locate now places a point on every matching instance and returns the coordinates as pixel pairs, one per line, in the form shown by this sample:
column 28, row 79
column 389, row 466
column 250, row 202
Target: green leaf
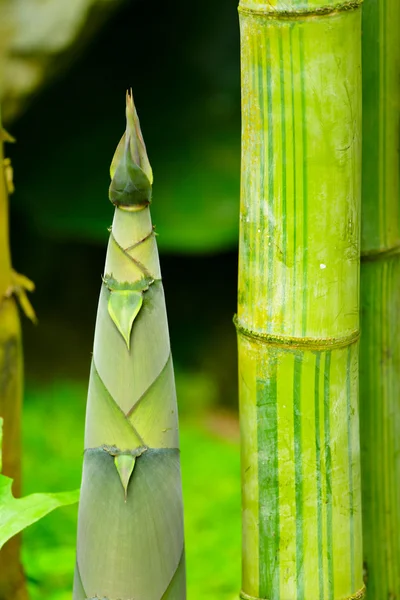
column 123, row 308
column 17, row 514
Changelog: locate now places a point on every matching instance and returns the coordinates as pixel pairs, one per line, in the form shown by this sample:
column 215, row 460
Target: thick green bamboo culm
column 12, row 581
column 298, row 299
column 380, row 299
column 130, row 524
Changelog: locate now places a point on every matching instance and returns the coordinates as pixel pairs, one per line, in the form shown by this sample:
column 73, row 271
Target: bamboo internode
column 380, row 299
column 299, row 284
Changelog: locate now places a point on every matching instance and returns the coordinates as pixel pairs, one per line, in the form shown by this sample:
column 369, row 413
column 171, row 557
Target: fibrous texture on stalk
column 380, row 299
column 12, row 583
column 298, row 302
column 130, row 527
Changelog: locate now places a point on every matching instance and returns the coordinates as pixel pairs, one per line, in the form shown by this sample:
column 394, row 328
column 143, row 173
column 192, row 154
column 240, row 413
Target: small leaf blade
column 123, row 308
column 125, row 463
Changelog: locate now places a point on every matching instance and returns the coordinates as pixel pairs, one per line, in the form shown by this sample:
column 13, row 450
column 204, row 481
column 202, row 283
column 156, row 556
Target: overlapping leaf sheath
column 12, row 584
column 298, row 303
column 380, row 299
column 130, row 529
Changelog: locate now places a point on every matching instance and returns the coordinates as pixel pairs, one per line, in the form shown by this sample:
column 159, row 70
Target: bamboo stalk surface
column 12, row 582
column 298, row 299
column 380, row 299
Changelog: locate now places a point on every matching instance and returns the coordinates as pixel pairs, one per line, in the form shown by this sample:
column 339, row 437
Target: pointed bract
column 125, row 463
column 123, row 308
column 131, row 173
column 136, row 141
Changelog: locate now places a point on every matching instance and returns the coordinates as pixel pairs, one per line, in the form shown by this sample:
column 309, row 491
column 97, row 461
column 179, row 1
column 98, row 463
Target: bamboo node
column 308, row 343
column 357, row 596
column 380, row 254
column 296, row 13
column 19, row 285
column 133, row 208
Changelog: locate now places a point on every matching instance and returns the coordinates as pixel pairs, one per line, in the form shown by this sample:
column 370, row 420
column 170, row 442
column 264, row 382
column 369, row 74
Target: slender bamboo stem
column 380, row 299
column 298, row 299
column 130, row 531
column 12, row 582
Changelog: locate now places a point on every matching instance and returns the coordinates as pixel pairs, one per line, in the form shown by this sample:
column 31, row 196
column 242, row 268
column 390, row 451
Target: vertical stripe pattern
column 304, row 510
column 298, row 482
column 318, row 471
column 350, row 458
column 380, row 424
column 268, row 477
column 328, row 475
column 298, row 303
column 277, row 250
column 380, row 299
column 304, row 183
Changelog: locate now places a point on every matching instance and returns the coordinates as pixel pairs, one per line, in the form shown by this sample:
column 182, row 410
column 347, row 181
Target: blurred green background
column 182, row 61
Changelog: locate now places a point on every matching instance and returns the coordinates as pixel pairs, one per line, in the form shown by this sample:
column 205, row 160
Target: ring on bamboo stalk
column 357, row 596
column 297, row 342
column 382, row 254
column 293, row 13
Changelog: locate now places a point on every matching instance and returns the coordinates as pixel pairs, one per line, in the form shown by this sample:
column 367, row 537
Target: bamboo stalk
column 380, row 299
column 130, row 529
column 298, row 299
column 12, row 582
